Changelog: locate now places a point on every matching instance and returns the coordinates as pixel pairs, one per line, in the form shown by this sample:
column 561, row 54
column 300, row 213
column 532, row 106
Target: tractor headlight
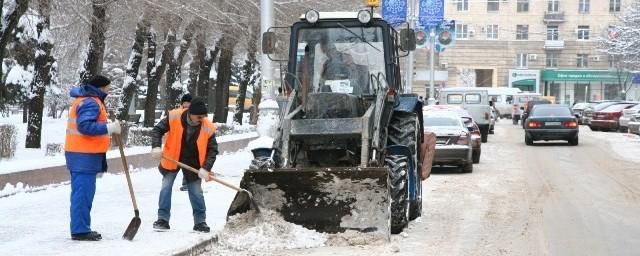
column 312, row 16
column 364, row 16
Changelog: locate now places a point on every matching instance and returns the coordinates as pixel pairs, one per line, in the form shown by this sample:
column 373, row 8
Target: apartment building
column 545, row 46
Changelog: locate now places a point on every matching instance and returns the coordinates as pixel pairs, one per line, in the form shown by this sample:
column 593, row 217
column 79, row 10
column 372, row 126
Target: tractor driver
column 338, row 66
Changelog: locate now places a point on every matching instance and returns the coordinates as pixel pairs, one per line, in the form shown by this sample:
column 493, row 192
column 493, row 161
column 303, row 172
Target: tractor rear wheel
column 405, row 130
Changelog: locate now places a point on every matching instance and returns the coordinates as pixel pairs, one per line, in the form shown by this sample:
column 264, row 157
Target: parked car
column 519, row 101
column 528, row 106
column 453, row 139
column 587, row 114
column 551, row 122
column 607, row 118
column 623, row 122
column 579, row 108
column 634, row 124
column 467, row 119
column 475, row 101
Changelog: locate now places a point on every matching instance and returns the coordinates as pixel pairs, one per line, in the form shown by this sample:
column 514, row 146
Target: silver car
column 453, row 139
column 623, row 122
column 634, row 124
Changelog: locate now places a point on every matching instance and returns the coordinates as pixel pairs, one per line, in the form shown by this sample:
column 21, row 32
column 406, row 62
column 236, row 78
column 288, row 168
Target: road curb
column 59, row 174
column 199, row 248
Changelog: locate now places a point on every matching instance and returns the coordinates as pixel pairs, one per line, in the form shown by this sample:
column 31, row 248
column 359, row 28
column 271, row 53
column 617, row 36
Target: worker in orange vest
column 86, row 143
column 190, row 140
column 185, row 102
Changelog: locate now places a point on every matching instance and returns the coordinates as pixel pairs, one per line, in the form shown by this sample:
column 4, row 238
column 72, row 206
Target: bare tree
column 224, row 79
column 174, row 85
column 135, row 59
column 43, row 64
column 248, row 73
column 95, row 53
column 7, row 28
column 197, row 61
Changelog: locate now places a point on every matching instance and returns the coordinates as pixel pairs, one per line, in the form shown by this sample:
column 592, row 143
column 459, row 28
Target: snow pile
column 351, row 238
column 12, row 190
column 625, row 145
column 266, row 231
column 262, row 142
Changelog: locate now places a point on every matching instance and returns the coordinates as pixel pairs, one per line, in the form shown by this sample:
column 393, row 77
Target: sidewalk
column 37, row 223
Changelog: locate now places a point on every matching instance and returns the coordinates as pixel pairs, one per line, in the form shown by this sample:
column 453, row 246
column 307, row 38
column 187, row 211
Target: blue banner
column 636, row 79
column 394, row 11
column 431, row 13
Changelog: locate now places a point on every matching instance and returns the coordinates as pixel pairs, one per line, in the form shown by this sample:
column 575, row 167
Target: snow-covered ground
column 37, row 223
column 54, row 132
column 625, row 145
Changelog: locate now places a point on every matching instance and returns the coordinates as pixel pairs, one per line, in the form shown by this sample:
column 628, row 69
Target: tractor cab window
column 340, row 59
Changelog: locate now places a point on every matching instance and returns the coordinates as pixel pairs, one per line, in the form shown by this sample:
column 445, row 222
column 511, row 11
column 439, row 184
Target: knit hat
column 99, row 81
column 198, row 107
column 185, row 98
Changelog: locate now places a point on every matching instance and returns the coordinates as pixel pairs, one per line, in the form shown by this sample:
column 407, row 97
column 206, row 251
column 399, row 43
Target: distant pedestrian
column 185, row 101
column 86, row 143
column 190, row 140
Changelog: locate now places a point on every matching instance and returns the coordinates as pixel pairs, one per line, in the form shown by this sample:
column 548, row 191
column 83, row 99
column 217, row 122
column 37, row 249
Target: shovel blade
column 132, row 229
column 324, row 199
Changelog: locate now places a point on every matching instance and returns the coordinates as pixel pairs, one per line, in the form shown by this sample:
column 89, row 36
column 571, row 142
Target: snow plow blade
column 328, row 200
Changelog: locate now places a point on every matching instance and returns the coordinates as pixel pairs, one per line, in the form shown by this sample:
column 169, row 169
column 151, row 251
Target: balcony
column 553, row 44
column 553, row 17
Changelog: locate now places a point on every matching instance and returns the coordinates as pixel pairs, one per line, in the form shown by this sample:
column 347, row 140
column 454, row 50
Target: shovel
column 132, row 229
column 244, row 197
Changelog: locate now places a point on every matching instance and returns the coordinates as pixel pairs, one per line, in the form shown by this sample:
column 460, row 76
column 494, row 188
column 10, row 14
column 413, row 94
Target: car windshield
column 551, row 111
column 441, row 121
column 339, row 59
column 582, row 105
column 602, row 106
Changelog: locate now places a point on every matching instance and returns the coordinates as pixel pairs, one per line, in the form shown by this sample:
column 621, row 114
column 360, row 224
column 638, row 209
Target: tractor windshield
column 340, row 59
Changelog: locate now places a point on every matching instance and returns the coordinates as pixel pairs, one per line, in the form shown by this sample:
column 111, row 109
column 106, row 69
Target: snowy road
column 549, row 199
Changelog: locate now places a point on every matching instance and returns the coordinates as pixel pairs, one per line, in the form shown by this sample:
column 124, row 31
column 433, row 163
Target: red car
column 607, row 118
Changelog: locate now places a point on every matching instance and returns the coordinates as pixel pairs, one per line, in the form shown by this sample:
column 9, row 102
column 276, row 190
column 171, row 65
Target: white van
column 519, row 101
column 502, row 98
column 475, row 101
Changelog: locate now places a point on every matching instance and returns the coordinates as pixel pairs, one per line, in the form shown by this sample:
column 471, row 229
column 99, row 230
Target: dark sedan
column 551, row 122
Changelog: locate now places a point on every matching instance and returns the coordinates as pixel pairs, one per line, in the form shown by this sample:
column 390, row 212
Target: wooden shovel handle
column 184, row 166
column 118, row 138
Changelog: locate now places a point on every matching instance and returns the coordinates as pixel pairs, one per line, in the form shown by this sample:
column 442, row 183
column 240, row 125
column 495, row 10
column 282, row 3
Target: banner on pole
column 394, row 11
column 431, row 13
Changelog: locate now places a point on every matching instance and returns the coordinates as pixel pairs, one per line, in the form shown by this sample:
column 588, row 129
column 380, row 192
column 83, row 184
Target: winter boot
column 161, row 225
column 201, row 227
column 89, row 236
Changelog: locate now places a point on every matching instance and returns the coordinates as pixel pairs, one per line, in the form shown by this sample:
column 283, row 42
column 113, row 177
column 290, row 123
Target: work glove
column 114, row 127
column 156, row 153
column 205, row 175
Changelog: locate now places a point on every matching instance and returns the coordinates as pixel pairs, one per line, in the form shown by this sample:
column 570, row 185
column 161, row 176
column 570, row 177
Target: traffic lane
column 588, row 197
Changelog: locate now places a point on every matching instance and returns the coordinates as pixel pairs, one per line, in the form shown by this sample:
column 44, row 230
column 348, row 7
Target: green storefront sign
column 578, row 75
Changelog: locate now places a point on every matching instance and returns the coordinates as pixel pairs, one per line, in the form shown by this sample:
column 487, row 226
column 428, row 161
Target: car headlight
column 312, row 16
column 364, row 16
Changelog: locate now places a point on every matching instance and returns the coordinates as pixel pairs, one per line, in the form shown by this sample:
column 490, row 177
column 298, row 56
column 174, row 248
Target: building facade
column 545, row 46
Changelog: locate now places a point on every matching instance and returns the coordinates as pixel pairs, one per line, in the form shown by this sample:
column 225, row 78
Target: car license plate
column 552, row 123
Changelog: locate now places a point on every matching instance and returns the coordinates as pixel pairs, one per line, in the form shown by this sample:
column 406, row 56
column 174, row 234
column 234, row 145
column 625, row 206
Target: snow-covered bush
column 53, row 149
column 235, row 128
column 139, row 136
column 8, row 140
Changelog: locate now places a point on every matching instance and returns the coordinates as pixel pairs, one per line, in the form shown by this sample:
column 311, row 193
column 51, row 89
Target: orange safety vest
column 81, row 143
column 173, row 144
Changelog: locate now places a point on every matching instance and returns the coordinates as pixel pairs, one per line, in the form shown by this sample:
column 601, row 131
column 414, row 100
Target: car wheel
column 595, row 129
column 574, row 141
column 467, row 167
column 475, row 156
column 528, row 141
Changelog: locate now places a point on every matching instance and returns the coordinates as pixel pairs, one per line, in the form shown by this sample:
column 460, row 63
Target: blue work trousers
column 83, row 188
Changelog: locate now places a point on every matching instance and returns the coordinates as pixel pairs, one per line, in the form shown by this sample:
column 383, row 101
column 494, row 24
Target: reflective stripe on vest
column 77, row 142
column 173, row 144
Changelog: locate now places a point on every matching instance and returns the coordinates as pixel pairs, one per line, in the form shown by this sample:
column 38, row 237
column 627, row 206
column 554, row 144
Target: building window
column 463, row 5
column 522, row 32
column 492, row 32
column 614, row 5
column 583, row 61
column 552, row 33
column 552, row 59
column 521, row 60
column 493, row 5
column 462, row 31
column 523, row 5
column 583, row 6
column 583, row 32
column 553, row 5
